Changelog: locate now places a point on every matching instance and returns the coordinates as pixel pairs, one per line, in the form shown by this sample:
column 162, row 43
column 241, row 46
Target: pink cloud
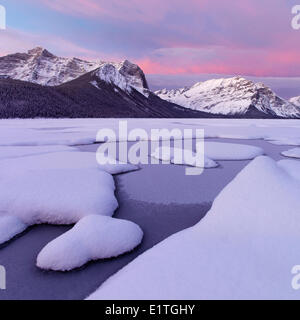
column 132, row 10
column 251, row 37
column 233, row 61
column 13, row 41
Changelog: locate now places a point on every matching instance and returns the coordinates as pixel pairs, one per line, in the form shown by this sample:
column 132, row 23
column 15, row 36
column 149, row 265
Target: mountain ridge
column 40, row 66
column 84, row 97
column 231, row 96
column 120, row 89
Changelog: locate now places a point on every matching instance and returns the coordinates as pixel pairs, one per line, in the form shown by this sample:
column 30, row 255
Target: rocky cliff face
column 125, row 75
column 42, row 67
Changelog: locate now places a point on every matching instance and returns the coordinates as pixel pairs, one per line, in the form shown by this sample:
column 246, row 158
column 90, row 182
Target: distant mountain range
column 234, row 96
column 40, row 84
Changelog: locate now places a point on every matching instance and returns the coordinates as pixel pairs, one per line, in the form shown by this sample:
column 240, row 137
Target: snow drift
column 245, row 248
column 93, row 237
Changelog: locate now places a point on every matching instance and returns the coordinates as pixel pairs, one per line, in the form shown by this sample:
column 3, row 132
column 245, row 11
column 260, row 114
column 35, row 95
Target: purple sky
column 171, row 37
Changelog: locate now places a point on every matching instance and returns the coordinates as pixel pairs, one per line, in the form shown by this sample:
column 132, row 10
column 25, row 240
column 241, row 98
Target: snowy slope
column 295, row 101
column 244, row 248
column 42, row 67
column 232, row 96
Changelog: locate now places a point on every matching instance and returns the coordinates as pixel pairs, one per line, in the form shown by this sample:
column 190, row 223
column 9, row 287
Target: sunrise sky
column 171, row 37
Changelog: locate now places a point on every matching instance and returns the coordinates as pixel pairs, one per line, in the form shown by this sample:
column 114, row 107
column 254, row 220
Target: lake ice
column 44, row 178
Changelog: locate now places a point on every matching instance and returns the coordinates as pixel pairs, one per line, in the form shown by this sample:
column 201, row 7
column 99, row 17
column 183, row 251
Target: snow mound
column 114, row 166
column 57, row 196
column 212, row 151
column 231, row 151
column 92, row 238
column 118, row 168
column 23, row 151
column 187, row 157
column 55, row 188
column 245, row 248
column 292, row 167
column 293, row 153
column 10, row 136
column 10, row 226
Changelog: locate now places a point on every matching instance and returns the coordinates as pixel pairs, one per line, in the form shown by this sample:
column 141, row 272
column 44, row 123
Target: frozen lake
column 159, row 198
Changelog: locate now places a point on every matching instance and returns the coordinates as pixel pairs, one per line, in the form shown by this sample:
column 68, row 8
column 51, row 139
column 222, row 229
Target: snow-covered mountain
column 40, row 84
column 42, row 67
column 125, row 75
column 295, row 101
column 117, row 83
column 232, row 96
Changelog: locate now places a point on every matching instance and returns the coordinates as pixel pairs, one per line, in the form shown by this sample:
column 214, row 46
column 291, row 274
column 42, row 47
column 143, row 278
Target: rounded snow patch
column 57, row 196
column 168, row 155
column 93, row 237
column 219, row 151
column 293, row 153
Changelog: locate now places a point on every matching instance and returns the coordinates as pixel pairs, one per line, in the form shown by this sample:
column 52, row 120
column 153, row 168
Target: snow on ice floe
column 231, row 151
column 63, row 188
column 62, row 161
column 32, row 137
column 56, row 188
column 213, row 151
column 57, row 196
column 245, row 247
column 284, row 141
column 92, row 238
column 293, row 153
column 188, row 157
column 23, row 151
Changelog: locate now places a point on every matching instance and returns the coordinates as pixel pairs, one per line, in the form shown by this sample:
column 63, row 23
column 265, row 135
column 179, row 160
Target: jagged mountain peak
column 40, row 66
column 230, row 96
column 124, row 75
column 39, row 51
column 131, row 69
